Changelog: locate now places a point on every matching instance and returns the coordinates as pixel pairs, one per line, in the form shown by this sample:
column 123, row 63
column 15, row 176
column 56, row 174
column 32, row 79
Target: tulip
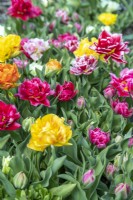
column 130, row 142
column 122, row 191
column 121, row 108
column 111, row 46
column 81, row 103
column 83, row 65
column 109, row 92
column 88, row 177
column 35, row 91
column 8, row 117
column 9, row 75
column 23, row 9
column 99, row 138
column 5, row 164
column 65, row 92
column 107, row 18
column 49, row 130
column 26, row 124
column 20, row 180
column 110, row 170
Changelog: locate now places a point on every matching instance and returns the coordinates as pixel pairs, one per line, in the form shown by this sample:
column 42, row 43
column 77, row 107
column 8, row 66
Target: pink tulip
column 83, row 65
column 8, row 117
column 35, row 91
column 121, row 108
column 99, row 138
column 66, row 91
column 88, row 177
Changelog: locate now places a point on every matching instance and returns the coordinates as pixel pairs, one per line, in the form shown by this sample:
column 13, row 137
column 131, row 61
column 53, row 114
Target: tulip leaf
column 57, row 164
column 7, row 185
column 4, row 140
column 63, row 190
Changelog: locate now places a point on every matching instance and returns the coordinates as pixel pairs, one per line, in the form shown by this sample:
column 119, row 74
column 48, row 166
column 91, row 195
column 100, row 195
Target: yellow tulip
column 49, row 130
column 107, row 18
column 9, row 47
column 84, row 48
column 53, row 65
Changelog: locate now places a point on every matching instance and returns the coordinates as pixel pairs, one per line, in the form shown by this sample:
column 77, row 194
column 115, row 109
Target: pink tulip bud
column 88, row 177
column 110, row 170
column 130, row 142
column 109, row 92
column 70, row 122
column 81, row 102
column 122, row 191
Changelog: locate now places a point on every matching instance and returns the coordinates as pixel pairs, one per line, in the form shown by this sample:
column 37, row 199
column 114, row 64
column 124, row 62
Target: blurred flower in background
column 23, row 9
column 53, row 65
column 34, row 48
column 83, row 65
column 110, row 6
column 107, row 18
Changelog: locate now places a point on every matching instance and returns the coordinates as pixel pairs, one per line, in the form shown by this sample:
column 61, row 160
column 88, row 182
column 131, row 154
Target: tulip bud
column 110, row 170
column 125, row 158
column 88, row 177
column 89, row 29
column 20, row 180
column 118, row 160
column 70, row 122
column 5, row 164
column 26, row 124
column 109, row 92
column 118, row 139
column 80, row 102
column 122, row 191
column 130, row 142
column 33, row 66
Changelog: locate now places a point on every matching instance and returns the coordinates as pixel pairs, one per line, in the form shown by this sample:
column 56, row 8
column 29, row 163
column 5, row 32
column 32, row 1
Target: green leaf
column 7, row 185
column 63, row 190
column 57, row 164
column 4, row 140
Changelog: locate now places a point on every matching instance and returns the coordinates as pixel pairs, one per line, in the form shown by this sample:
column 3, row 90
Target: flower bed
column 66, row 100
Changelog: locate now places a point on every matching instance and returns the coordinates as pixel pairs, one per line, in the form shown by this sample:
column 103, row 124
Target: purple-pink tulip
column 89, row 177
column 99, row 138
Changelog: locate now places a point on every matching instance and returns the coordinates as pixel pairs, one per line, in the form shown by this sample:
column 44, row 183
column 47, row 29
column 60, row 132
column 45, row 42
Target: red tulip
column 111, row 46
column 65, row 92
